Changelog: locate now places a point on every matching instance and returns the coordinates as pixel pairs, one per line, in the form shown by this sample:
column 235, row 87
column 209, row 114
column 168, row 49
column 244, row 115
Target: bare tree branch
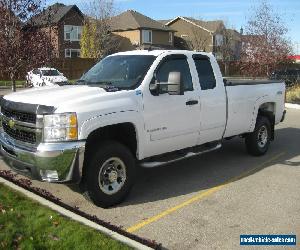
column 265, row 45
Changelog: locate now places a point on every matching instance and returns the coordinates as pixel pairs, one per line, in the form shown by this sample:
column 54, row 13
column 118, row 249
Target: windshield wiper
column 80, row 82
column 106, row 85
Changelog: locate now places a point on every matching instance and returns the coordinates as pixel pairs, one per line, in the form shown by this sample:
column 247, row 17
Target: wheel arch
column 268, row 110
column 125, row 133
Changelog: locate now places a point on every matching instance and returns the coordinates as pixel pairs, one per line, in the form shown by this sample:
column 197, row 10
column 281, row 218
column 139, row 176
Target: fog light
column 49, row 175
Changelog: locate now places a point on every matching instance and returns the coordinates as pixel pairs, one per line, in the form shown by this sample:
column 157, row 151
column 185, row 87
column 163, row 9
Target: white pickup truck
column 132, row 109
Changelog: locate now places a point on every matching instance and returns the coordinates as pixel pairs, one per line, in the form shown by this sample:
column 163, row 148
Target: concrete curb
column 76, row 217
column 292, row 106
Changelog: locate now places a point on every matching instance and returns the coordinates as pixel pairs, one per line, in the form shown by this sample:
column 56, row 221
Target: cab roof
column 160, row 52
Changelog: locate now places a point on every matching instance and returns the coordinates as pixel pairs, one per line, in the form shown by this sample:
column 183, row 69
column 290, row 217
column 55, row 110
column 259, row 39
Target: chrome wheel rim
column 112, row 175
column 262, row 136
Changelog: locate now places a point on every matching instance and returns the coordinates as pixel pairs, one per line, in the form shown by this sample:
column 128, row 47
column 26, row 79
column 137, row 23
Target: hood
column 55, row 95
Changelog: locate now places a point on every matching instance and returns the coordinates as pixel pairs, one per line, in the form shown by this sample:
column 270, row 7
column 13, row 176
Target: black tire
column 97, row 162
column 254, row 144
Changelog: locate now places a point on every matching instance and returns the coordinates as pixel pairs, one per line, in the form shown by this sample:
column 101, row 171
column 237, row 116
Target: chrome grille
column 19, row 134
column 19, row 115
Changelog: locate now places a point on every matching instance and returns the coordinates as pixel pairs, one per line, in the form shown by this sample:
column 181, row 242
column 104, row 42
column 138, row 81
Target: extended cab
column 136, row 108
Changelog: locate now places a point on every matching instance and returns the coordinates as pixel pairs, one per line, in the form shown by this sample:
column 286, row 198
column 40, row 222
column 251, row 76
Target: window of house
column 205, row 73
column 219, row 40
column 176, row 65
column 170, row 37
column 147, row 36
column 72, row 53
column 72, row 33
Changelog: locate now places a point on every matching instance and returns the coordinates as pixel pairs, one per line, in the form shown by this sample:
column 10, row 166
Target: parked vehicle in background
column 45, row 77
column 136, row 108
column 290, row 76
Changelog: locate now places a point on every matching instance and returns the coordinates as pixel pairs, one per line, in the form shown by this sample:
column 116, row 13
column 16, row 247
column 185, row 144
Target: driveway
column 208, row 201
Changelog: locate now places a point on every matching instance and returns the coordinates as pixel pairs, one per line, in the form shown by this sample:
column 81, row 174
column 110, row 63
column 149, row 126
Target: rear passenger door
column 212, row 98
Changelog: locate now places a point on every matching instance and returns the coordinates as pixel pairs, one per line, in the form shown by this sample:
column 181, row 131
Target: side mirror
column 174, row 84
column 172, row 87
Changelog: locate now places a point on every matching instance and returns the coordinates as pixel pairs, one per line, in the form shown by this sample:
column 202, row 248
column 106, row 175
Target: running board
column 177, row 156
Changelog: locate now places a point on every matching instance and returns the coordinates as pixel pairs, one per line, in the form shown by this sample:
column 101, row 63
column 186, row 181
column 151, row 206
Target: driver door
column 172, row 122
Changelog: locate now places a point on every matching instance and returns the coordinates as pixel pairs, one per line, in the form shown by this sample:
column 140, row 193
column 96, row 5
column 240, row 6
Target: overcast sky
column 233, row 12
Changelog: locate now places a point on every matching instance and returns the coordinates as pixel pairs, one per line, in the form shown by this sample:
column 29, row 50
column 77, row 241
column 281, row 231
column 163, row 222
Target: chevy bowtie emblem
column 11, row 124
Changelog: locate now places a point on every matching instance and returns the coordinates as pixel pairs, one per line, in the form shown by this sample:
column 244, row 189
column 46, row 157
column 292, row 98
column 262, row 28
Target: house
column 234, row 43
column 208, row 36
column 197, row 34
column 141, row 31
column 63, row 24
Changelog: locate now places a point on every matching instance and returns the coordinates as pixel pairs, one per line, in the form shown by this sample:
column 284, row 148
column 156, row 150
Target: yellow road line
column 198, row 197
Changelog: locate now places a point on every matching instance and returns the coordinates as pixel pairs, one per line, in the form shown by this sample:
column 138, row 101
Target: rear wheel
column 110, row 174
column 258, row 141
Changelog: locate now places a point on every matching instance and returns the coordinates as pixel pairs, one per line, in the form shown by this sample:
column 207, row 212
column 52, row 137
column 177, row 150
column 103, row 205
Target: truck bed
column 244, row 99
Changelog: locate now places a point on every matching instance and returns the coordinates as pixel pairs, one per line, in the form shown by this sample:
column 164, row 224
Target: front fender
column 103, row 120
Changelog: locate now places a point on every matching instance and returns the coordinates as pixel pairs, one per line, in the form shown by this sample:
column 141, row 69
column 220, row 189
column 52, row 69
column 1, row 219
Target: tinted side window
column 205, row 73
column 176, row 65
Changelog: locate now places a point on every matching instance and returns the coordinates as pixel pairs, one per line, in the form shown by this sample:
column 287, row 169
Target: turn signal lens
column 72, row 133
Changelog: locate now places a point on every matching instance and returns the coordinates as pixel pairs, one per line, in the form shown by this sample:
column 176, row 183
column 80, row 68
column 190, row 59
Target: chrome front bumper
column 64, row 158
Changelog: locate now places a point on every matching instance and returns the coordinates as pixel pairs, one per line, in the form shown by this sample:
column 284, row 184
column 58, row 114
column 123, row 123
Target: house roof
column 235, row 35
column 132, row 20
column 164, row 21
column 53, row 14
column 210, row 26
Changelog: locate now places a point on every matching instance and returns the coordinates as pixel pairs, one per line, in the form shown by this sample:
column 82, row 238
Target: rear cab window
column 205, row 72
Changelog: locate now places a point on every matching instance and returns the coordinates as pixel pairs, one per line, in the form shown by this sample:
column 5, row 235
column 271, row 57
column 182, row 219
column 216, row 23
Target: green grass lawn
column 8, row 82
column 293, row 95
column 24, row 224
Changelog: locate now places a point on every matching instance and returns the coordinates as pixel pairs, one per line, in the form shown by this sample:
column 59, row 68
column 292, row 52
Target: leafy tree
column 22, row 45
column 265, row 45
column 97, row 40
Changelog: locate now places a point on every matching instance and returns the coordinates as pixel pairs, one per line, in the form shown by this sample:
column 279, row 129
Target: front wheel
column 110, row 174
column 258, row 142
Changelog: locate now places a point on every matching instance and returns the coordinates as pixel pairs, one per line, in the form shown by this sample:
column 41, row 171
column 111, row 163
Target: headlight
column 60, row 127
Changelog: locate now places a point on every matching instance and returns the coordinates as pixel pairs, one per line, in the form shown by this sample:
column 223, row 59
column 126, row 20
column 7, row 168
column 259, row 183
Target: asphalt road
column 208, row 201
column 5, row 91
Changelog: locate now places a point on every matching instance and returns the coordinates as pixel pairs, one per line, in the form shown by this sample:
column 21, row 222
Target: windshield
column 50, row 72
column 122, row 72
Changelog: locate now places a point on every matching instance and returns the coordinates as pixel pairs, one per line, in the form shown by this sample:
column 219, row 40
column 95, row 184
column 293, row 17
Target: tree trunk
column 226, row 69
column 13, row 82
